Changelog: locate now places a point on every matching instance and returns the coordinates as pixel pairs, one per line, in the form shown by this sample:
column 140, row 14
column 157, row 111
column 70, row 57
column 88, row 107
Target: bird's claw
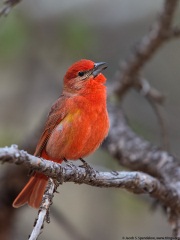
column 69, row 164
column 88, row 168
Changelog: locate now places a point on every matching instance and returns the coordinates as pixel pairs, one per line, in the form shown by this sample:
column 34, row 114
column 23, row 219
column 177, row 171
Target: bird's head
column 82, row 72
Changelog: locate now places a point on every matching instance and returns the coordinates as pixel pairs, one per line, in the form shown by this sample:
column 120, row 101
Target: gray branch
column 43, row 213
column 136, row 182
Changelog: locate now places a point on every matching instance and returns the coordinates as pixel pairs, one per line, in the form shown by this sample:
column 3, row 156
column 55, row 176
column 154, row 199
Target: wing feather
column 57, row 113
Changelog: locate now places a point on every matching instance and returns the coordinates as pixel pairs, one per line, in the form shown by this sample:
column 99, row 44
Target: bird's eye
column 80, row 74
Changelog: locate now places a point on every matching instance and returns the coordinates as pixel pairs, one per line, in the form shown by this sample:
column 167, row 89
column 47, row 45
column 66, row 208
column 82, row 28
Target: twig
column 144, row 87
column 8, row 5
column 43, row 213
column 156, row 99
column 162, row 124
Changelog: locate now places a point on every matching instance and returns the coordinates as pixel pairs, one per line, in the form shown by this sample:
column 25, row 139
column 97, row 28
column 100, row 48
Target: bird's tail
column 33, row 191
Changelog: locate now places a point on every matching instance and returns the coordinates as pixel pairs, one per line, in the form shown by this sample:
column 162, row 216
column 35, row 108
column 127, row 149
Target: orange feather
column 77, row 124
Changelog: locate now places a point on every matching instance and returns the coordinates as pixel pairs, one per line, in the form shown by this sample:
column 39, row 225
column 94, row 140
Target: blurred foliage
column 13, row 36
column 77, row 37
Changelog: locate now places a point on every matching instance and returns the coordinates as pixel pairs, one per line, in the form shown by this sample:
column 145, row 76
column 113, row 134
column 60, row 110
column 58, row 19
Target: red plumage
column 77, row 124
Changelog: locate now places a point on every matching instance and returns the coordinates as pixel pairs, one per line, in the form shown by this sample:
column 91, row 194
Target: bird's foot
column 87, row 167
column 69, row 164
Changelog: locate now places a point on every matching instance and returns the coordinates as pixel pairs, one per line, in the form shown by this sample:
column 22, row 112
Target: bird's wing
column 56, row 115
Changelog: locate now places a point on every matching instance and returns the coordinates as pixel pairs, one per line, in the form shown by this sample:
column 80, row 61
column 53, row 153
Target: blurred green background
column 39, row 40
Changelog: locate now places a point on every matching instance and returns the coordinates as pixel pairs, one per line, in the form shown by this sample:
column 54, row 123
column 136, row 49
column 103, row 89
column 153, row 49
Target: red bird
column 76, row 125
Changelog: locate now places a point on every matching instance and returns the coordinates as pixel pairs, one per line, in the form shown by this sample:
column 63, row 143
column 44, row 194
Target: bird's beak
column 98, row 68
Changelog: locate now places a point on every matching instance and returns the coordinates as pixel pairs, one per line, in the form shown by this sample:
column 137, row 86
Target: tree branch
column 135, row 182
column 145, row 89
column 43, row 213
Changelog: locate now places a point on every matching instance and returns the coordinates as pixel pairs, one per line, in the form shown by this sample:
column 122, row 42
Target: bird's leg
column 87, row 167
column 71, row 165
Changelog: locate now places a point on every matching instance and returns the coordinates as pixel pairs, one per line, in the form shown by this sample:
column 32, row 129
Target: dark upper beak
column 98, row 68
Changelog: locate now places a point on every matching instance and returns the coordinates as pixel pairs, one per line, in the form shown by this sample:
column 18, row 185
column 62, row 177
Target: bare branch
column 135, row 182
column 149, row 44
column 162, row 123
column 43, row 213
column 155, row 98
column 143, row 86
